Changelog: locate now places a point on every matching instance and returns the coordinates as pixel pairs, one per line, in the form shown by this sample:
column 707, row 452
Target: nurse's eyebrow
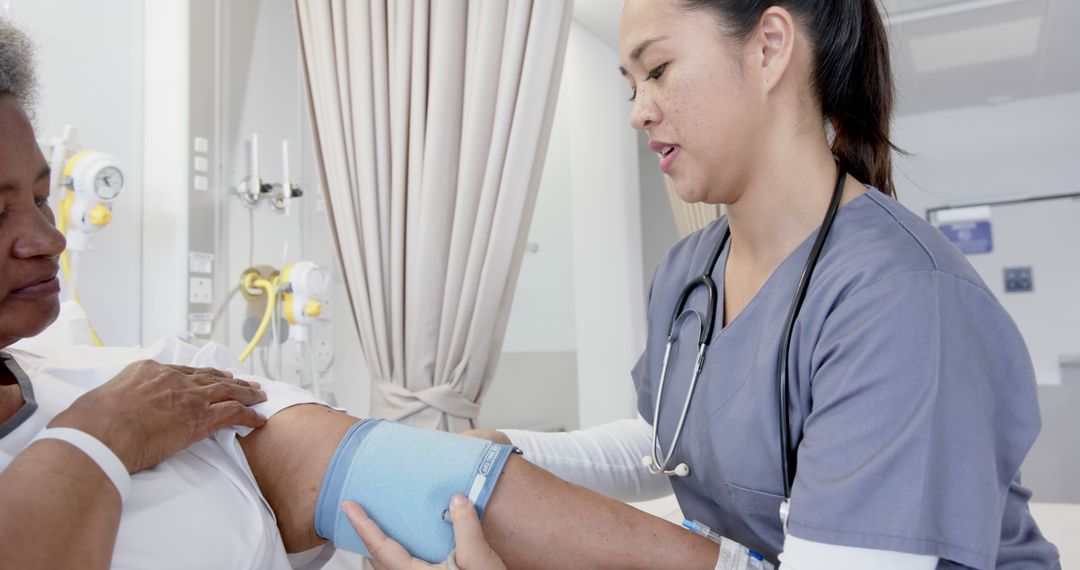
column 638, row 51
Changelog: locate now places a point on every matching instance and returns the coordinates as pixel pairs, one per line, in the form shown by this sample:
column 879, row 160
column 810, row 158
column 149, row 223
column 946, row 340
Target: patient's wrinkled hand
column 151, row 411
column 472, row 552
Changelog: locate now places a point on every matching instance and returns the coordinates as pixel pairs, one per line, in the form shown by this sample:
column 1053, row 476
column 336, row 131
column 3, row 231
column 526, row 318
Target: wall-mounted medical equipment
column 93, row 181
column 303, row 285
column 85, row 183
column 283, row 306
column 255, row 285
column 254, row 190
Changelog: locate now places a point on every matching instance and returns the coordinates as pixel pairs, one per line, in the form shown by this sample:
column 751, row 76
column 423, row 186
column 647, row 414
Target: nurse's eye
column 41, row 201
column 654, row 74
column 657, row 71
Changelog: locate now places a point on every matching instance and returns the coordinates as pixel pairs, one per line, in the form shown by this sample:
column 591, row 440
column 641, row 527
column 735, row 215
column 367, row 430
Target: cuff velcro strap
column 98, row 452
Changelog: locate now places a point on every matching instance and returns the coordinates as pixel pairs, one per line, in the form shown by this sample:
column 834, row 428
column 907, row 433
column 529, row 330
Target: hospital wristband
column 98, row 452
column 735, row 556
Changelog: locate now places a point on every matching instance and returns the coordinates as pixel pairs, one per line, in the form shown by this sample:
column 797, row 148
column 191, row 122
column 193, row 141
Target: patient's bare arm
column 533, row 520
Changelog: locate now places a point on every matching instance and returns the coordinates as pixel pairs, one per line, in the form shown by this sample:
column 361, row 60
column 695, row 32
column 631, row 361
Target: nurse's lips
column 44, row 286
column 667, row 152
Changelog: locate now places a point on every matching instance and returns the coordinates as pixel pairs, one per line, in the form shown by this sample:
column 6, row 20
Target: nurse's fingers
column 386, row 554
column 473, row 552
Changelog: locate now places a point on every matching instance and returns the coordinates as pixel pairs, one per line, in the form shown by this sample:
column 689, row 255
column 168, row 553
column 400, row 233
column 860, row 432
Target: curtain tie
column 394, row 402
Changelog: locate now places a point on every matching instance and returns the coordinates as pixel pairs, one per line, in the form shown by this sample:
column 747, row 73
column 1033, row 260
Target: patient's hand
column 151, row 411
column 472, row 552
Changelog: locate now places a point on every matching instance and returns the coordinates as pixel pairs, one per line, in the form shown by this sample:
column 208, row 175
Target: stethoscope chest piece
column 680, row 470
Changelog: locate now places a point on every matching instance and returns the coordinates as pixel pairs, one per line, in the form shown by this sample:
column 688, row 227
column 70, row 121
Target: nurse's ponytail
column 855, row 86
column 852, row 75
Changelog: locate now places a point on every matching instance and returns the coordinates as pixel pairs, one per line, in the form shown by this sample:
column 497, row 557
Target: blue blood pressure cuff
column 404, row 477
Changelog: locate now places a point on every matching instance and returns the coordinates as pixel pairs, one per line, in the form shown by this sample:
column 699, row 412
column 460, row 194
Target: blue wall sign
column 970, row 237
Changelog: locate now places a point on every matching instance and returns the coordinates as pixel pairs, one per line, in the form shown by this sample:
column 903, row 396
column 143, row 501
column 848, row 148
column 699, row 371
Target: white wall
column 609, row 295
column 90, row 67
column 166, row 90
column 542, row 318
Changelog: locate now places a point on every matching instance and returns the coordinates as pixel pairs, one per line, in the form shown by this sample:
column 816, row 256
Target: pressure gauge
column 108, row 182
column 95, row 175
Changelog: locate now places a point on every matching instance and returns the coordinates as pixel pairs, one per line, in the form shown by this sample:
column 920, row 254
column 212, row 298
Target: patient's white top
column 198, row 509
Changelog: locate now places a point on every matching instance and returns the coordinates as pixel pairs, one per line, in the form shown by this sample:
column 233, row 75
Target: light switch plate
column 1018, row 280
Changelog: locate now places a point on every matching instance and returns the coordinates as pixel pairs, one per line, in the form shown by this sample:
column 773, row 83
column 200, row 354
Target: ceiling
column 952, row 53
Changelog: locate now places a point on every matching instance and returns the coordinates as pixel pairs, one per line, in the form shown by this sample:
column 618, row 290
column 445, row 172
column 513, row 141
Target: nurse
column 910, row 396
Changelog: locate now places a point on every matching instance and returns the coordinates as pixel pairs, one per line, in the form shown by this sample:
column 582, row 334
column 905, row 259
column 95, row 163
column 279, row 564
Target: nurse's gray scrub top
column 912, row 398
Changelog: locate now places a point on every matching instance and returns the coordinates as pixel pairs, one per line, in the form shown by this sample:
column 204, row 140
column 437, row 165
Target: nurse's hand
column 488, row 434
column 151, row 411
column 472, row 552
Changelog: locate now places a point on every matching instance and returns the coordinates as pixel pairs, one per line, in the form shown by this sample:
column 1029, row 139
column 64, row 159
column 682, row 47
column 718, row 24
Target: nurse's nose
column 645, row 113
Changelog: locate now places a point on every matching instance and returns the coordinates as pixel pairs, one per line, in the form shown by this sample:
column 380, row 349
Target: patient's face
column 30, row 244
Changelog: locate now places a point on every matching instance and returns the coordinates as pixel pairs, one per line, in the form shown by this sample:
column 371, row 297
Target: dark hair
column 17, row 65
column 852, row 75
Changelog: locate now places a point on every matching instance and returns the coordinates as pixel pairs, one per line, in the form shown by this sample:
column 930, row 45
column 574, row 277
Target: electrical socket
column 201, row 290
column 323, row 355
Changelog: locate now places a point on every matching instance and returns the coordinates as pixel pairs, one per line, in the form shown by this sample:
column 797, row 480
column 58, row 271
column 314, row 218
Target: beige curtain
column 431, row 120
column 690, row 218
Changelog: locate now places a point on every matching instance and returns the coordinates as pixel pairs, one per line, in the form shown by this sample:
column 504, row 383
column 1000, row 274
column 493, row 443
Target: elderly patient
column 226, row 472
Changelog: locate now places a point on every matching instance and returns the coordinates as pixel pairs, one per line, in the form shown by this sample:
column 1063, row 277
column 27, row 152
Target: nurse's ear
column 771, row 48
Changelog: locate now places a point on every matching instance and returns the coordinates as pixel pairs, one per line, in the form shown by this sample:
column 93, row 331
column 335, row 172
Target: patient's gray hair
column 17, row 65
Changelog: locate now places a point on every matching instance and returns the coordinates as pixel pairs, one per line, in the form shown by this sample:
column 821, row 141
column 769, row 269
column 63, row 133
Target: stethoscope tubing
column 788, row 452
column 655, row 466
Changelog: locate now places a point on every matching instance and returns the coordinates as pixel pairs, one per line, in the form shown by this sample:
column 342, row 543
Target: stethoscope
column 707, row 322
